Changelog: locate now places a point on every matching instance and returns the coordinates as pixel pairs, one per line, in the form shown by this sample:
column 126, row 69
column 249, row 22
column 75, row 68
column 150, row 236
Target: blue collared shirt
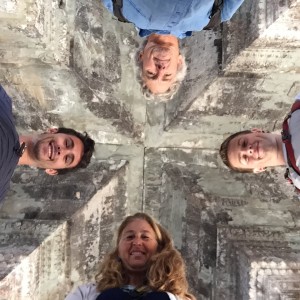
column 176, row 17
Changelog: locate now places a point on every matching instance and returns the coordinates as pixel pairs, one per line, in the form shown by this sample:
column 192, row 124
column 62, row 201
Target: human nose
column 160, row 64
column 61, row 150
column 137, row 241
column 248, row 150
column 160, row 72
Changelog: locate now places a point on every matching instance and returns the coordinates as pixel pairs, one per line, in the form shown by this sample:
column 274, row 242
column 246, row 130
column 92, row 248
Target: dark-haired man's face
column 53, row 151
column 256, row 150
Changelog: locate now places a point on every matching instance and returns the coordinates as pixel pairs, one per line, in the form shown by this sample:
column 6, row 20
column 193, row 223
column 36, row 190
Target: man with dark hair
column 163, row 22
column 88, row 148
column 56, row 151
column 254, row 151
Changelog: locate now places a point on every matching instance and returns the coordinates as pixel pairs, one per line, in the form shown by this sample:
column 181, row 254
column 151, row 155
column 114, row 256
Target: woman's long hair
column 166, row 270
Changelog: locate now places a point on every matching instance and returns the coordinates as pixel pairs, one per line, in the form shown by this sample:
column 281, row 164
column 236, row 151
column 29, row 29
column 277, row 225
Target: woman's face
column 137, row 245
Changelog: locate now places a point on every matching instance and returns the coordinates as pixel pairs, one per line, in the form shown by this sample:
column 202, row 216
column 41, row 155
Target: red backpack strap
column 286, row 138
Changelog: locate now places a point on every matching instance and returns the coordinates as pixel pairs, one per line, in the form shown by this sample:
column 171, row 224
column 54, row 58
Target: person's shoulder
column 5, row 102
column 109, row 5
column 295, row 107
column 84, row 292
column 297, row 98
column 174, row 297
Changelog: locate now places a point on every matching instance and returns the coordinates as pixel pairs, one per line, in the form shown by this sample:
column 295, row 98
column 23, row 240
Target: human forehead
column 138, row 225
column 65, row 135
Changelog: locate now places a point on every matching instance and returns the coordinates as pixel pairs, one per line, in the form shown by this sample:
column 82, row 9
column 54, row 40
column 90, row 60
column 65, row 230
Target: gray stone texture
column 70, row 63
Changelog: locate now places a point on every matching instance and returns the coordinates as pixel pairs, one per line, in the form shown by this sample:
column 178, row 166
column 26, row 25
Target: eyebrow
column 239, row 141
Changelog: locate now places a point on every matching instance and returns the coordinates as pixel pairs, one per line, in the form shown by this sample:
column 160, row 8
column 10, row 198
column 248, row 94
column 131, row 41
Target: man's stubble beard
column 35, row 150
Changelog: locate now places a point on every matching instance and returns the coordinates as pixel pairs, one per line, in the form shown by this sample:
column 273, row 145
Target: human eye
column 69, row 159
column 150, row 73
column 69, row 143
column 145, row 237
column 167, row 77
column 129, row 237
column 245, row 159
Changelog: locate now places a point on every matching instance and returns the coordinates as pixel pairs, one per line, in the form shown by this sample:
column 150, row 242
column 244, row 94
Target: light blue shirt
column 176, row 17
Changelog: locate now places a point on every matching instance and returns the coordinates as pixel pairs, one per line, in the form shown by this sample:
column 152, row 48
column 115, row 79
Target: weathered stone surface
column 191, row 193
column 35, row 195
column 258, row 263
column 23, row 236
column 71, row 252
column 43, row 272
column 70, row 63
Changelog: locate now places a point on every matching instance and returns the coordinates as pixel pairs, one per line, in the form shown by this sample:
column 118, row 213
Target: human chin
column 36, row 151
column 136, row 265
column 137, row 259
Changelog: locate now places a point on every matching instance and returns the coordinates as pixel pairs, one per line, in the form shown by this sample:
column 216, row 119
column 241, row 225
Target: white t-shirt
column 84, row 292
column 89, row 292
column 294, row 128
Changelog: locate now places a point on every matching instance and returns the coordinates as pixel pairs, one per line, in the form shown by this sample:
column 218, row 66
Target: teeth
column 136, row 253
column 50, row 151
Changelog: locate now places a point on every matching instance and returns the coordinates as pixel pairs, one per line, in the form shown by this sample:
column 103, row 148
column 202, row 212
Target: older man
column 255, row 150
column 162, row 66
column 56, row 151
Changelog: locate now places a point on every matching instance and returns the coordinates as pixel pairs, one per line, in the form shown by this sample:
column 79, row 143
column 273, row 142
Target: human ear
column 140, row 56
column 51, row 172
column 259, row 170
column 180, row 61
column 256, row 130
column 52, row 130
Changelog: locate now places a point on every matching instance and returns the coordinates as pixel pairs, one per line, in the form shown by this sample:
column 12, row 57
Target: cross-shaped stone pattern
column 70, row 63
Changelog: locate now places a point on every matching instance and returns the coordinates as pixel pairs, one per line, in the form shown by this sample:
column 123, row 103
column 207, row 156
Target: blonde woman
column 144, row 265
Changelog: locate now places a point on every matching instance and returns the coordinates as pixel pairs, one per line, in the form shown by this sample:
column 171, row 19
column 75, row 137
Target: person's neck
column 136, row 279
column 164, row 39
column 280, row 161
column 25, row 159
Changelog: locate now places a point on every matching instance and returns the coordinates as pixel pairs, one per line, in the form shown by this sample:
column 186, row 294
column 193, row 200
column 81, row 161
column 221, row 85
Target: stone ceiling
column 69, row 63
